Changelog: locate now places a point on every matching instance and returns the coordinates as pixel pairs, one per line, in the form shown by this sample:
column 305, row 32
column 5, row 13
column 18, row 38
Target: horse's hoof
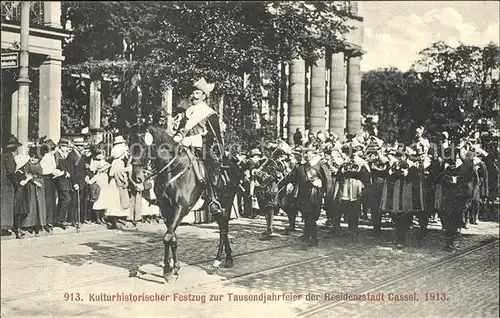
column 289, row 230
column 265, row 237
column 171, row 276
column 216, row 264
column 229, row 263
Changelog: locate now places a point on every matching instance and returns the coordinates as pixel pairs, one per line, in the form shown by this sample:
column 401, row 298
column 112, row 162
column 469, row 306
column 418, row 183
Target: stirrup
column 216, row 203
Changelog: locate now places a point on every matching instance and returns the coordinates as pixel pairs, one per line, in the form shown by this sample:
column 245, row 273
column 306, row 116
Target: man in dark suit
column 297, row 138
column 78, row 194
column 63, row 183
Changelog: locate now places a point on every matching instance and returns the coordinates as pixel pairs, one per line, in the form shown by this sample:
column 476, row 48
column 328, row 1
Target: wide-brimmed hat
column 118, row 140
column 254, row 152
column 21, row 161
column 64, row 142
column 102, row 165
column 202, row 85
column 12, row 142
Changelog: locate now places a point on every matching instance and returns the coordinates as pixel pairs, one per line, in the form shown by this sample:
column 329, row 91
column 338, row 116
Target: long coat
column 62, row 182
column 119, row 201
column 30, row 200
column 402, row 194
column 7, row 190
column 310, row 197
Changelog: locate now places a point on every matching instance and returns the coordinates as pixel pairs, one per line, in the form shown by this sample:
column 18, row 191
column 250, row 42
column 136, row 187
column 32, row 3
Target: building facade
column 46, row 36
column 326, row 95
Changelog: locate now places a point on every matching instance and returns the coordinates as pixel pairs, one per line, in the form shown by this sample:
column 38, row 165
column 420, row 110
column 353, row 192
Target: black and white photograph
column 250, row 159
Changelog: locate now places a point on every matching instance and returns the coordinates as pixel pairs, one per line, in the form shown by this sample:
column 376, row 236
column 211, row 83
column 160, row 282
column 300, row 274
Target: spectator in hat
column 297, row 138
column 99, row 189
column 48, row 164
column 63, row 182
column 8, row 186
column 37, row 216
column 119, row 200
column 253, row 162
column 21, row 206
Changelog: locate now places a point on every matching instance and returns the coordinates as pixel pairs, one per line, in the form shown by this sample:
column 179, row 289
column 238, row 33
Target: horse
column 178, row 187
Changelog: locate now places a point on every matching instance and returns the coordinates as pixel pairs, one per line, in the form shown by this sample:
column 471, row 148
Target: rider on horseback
column 199, row 128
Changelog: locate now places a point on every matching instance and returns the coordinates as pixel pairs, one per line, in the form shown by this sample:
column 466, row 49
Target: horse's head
column 148, row 144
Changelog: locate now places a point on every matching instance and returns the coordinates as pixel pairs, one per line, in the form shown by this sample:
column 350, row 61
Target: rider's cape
column 200, row 126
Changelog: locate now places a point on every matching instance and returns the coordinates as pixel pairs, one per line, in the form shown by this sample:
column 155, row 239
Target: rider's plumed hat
column 202, row 85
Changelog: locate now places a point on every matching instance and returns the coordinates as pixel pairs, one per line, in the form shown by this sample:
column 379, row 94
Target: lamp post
column 23, row 81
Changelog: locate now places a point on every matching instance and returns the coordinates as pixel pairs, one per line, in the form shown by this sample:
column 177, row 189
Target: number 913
column 72, row 297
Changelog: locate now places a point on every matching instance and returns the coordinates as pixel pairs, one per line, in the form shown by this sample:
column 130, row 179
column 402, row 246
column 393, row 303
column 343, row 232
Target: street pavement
column 64, row 275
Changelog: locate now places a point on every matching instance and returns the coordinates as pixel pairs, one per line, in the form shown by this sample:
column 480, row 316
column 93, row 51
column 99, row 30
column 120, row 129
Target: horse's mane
column 160, row 135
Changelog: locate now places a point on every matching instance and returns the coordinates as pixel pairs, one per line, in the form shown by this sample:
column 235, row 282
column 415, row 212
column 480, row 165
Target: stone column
column 13, row 112
column 354, row 95
column 50, row 99
column 337, row 95
column 318, row 91
column 354, row 7
column 52, row 14
column 95, row 107
column 23, row 81
column 296, row 108
column 166, row 105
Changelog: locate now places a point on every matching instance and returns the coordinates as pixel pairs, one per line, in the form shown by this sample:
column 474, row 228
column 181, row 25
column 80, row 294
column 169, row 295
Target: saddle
column 198, row 166
column 200, row 169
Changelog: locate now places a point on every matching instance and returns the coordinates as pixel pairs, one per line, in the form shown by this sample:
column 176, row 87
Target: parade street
column 76, row 274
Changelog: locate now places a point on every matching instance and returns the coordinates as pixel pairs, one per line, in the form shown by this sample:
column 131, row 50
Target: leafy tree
column 448, row 88
column 464, row 77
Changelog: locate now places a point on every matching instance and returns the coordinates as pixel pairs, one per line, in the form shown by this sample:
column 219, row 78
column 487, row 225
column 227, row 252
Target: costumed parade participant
column 199, row 128
column 313, row 179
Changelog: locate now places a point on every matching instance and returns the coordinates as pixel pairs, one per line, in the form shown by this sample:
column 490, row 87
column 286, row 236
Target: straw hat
column 118, row 140
column 79, row 141
column 21, row 161
column 102, row 165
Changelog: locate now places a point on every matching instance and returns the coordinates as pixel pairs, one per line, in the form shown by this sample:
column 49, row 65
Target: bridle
column 170, row 165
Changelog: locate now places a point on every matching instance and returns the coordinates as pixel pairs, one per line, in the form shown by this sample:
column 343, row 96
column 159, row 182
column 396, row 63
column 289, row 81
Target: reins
column 168, row 165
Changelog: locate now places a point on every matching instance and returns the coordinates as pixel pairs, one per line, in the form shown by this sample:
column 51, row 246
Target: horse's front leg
column 218, row 258
column 171, row 238
column 229, row 257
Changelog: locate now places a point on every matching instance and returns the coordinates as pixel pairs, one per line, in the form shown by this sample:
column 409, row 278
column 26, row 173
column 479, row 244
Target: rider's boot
column 214, row 206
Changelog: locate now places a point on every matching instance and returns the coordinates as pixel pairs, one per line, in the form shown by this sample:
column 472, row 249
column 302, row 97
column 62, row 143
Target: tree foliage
column 173, row 43
column 448, row 88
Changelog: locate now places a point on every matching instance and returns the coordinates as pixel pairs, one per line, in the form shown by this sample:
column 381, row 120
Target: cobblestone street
column 90, row 263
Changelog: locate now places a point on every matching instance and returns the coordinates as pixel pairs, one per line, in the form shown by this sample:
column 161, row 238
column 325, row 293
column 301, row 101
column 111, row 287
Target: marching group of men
column 364, row 173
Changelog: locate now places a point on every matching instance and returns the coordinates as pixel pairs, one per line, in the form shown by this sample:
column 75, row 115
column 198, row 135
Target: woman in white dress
column 150, row 211
column 101, row 179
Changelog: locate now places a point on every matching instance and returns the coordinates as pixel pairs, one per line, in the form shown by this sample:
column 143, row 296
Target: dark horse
column 178, row 187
